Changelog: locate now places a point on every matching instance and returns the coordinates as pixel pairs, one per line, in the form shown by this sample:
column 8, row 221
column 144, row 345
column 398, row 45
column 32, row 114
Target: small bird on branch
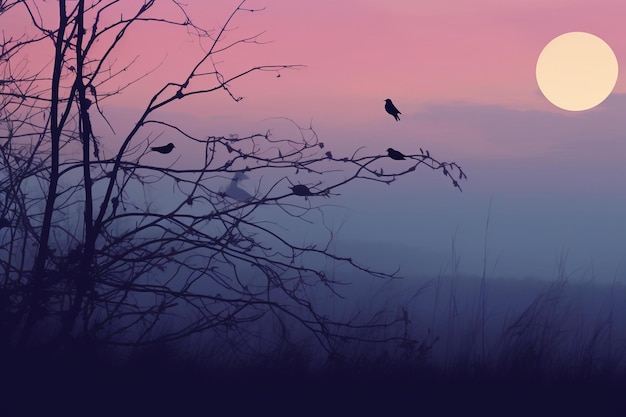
column 302, row 190
column 163, row 149
column 391, row 109
column 393, row 154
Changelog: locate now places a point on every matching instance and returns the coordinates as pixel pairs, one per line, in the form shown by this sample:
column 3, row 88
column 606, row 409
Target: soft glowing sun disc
column 576, row 71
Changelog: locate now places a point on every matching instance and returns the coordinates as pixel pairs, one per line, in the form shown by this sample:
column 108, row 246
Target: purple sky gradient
column 463, row 75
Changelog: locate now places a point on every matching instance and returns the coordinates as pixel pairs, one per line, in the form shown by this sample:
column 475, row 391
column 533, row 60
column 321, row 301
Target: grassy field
column 480, row 347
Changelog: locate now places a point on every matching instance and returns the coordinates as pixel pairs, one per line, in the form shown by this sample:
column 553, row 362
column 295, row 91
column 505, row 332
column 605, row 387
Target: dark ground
column 37, row 384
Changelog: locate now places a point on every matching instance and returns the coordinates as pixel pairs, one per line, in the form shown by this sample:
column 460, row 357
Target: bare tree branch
column 88, row 254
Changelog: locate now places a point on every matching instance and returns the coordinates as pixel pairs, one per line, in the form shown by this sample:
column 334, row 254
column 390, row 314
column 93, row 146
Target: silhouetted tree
column 85, row 255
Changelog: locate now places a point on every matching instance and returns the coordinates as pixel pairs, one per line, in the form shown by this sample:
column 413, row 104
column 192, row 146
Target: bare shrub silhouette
column 86, row 249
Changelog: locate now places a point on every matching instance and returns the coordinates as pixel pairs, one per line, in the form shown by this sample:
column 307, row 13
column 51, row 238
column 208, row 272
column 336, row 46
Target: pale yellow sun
column 577, row 71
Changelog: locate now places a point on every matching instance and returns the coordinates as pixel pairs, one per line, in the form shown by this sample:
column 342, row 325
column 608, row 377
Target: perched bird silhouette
column 393, row 154
column 163, row 149
column 391, row 109
column 236, row 193
column 301, row 190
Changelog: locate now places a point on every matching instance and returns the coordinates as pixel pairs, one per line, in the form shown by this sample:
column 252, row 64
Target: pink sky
column 357, row 53
column 418, row 52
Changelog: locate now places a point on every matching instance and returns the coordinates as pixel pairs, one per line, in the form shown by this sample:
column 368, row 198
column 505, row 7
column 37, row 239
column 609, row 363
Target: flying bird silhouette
column 236, row 193
column 393, row 154
column 391, row 109
column 163, row 149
